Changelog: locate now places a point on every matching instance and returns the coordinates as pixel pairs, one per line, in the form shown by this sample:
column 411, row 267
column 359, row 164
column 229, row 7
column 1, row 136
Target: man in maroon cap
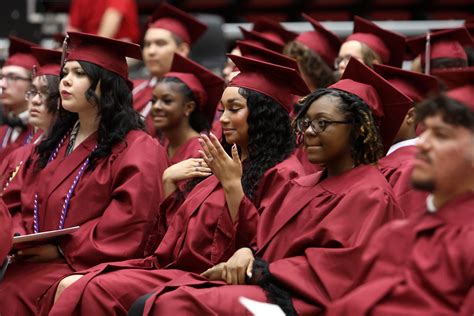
column 397, row 165
column 169, row 31
column 371, row 44
column 441, row 49
column 424, row 265
column 15, row 80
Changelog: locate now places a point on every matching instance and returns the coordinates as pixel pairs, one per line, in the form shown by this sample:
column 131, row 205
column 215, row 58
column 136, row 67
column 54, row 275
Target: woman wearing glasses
column 97, row 169
column 15, row 80
column 43, row 100
column 308, row 244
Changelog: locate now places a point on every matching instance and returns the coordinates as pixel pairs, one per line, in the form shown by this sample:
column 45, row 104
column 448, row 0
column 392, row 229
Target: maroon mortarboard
column 261, row 53
column 389, row 45
column 441, row 44
column 178, row 22
column 19, row 53
column 464, row 94
column 205, row 85
column 273, row 30
column 49, row 61
column 277, row 82
column 261, row 40
column 321, row 40
column 59, row 37
column 455, row 77
column 413, row 84
column 387, row 103
column 102, row 51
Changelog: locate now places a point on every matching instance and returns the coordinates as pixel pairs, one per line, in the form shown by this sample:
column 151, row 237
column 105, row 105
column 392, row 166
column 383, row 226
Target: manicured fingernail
column 249, row 274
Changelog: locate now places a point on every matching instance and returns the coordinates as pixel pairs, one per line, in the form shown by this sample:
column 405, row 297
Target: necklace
column 67, row 199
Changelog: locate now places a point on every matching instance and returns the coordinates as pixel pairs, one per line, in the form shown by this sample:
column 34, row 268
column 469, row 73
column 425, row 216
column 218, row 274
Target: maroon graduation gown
column 309, row 167
column 114, row 204
column 5, row 231
column 200, row 235
column 312, row 239
column 397, row 168
column 423, row 265
column 6, row 146
column 190, row 149
column 142, row 94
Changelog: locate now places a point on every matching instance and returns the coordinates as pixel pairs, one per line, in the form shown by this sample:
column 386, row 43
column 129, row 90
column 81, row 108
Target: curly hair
column 452, row 111
column 271, row 139
column 311, row 64
column 197, row 119
column 117, row 116
column 364, row 139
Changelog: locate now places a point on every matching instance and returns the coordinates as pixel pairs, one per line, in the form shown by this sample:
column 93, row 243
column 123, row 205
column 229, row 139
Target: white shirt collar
column 403, row 143
column 23, row 116
column 430, row 204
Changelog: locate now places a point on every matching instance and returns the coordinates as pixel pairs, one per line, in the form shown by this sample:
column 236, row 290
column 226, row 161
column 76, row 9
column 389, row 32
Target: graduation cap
column 321, row 41
column 277, row 82
column 262, row 40
column 389, row 45
column 464, row 94
column 413, row 84
column 178, row 22
column 441, row 44
column 388, row 104
column 455, row 77
column 103, row 51
column 273, row 30
column 19, row 53
column 261, row 53
column 205, row 85
column 49, row 61
column 460, row 84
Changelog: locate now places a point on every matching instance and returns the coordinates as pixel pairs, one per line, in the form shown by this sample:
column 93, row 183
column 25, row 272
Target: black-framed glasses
column 10, row 78
column 30, row 94
column 318, row 125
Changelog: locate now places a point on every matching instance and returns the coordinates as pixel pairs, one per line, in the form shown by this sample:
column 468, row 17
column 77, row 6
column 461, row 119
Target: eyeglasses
column 344, row 59
column 30, row 94
column 12, row 78
column 318, row 125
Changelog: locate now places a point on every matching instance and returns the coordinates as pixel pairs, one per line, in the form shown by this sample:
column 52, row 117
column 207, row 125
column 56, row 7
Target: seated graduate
column 398, row 163
column 220, row 213
column 371, row 44
column 310, row 239
column 15, row 80
column 93, row 170
column 184, row 104
column 43, row 98
column 169, row 31
column 424, row 265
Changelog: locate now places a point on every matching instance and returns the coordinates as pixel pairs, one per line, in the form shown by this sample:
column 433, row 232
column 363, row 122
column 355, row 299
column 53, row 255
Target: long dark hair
column 117, row 116
column 197, row 119
column 271, row 139
column 364, row 139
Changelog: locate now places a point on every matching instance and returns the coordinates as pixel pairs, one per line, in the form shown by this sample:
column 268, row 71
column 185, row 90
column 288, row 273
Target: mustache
column 423, row 156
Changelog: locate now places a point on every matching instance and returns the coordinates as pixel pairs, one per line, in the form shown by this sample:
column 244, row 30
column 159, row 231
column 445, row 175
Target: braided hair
column 364, row 139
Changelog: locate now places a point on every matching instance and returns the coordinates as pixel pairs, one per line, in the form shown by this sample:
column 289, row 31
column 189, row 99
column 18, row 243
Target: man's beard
column 428, row 185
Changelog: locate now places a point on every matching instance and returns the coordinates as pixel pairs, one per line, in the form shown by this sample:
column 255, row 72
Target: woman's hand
column 183, row 170
column 65, row 283
column 227, row 169
column 41, row 253
column 234, row 270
